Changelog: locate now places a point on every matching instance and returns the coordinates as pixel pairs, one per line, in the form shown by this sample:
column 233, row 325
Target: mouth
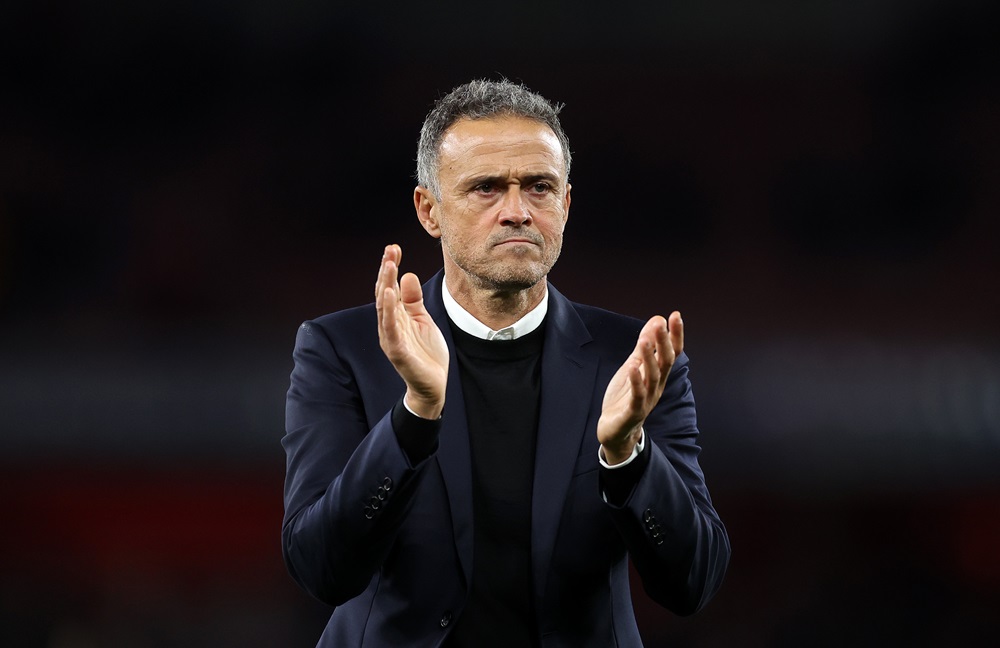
column 516, row 241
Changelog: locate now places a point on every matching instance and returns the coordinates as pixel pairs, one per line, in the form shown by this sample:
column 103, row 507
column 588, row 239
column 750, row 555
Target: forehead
column 471, row 145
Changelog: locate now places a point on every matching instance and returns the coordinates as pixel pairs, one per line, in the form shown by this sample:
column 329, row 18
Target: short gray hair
column 482, row 99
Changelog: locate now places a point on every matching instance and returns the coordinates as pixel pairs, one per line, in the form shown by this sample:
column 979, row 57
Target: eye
column 541, row 187
column 485, row 188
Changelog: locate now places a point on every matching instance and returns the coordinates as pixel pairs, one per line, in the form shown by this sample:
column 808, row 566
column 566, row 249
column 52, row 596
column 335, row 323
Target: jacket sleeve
column 673, row 534
column 348, row 486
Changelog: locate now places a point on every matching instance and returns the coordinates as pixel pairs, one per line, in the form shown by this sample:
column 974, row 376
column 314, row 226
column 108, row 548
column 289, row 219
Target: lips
column 518, row 239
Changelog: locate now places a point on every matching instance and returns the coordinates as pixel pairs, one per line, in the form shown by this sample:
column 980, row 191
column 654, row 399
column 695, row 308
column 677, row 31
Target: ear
column 566, row 201
column 427, row 211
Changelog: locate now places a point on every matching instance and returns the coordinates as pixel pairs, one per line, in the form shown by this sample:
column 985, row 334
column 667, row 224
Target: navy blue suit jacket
column 390, row 543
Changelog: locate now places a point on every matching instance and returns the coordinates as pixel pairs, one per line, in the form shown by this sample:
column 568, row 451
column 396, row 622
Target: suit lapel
column 568, row 375
column 454, row 454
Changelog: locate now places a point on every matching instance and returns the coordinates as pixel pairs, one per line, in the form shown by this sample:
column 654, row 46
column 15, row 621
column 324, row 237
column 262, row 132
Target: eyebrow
column 500, row 179
column 548, row 177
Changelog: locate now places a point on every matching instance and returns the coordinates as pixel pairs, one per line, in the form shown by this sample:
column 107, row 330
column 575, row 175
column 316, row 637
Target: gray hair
column 481, row 99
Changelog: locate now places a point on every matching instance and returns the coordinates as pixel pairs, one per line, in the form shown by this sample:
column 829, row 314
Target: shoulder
column 601, row 325
column 359, row 320
column 602, row 322
column 614, row 333
column 344, row 320
column 346, row 330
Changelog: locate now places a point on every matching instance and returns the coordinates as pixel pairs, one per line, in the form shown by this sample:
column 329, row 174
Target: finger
column 392, row 253
column 386, row 285
column 648, row 344
column 647, row 334
column 388, row 270
column 664, row 351
column 638, row 386
column 387, row 255
column 410, row 292
column 676, row 333
column 654, row 332
column 389, row 329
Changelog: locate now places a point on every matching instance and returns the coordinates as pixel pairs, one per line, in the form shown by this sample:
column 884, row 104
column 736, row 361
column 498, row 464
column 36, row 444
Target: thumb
column 410, row 292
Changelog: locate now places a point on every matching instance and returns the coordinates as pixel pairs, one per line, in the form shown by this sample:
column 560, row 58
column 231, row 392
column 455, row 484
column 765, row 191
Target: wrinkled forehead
column 497, row 140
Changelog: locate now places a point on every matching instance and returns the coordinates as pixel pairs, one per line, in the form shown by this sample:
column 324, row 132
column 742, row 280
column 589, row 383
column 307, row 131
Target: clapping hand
column 637, row 386
column 409, row 337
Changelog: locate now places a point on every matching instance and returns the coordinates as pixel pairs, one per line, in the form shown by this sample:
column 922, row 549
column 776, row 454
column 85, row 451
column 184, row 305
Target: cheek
column 553, row 227
column 463, row 234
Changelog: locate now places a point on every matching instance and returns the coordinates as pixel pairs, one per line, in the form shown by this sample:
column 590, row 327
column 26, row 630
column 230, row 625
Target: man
column 472, row 461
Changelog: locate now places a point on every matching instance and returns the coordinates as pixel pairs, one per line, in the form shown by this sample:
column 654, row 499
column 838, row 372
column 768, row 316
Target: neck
column 497, row 308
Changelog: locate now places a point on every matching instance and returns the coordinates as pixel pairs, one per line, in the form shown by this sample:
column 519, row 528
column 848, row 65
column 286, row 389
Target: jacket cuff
column 618, row 483
column 418, row 437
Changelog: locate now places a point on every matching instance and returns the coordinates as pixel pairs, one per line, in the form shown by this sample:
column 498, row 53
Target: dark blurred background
column 814, row 184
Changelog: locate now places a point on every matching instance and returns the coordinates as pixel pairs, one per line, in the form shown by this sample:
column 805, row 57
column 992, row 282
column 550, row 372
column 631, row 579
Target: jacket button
column 647, row 517
column 387, row 484
column 369, row 513
column 445, row 619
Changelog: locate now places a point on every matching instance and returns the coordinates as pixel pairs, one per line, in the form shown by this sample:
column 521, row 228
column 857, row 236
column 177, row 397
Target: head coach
column 472, row 461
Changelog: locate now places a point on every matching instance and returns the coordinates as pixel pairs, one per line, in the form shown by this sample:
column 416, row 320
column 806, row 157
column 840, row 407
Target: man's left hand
column 637, row 386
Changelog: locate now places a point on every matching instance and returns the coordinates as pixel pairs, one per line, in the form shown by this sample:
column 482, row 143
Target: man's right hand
column 409, row 337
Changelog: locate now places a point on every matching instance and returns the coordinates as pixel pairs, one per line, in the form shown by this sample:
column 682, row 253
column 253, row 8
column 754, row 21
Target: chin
column 514, row 285
column 516, row 278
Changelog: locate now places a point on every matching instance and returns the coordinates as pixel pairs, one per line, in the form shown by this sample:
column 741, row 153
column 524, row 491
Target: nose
column 513, row 209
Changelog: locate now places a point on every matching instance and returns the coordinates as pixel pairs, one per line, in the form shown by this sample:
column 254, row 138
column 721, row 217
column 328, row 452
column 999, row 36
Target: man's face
column 504, row 203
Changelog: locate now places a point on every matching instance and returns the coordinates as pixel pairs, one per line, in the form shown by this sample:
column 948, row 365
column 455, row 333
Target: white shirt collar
column 464, row 320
